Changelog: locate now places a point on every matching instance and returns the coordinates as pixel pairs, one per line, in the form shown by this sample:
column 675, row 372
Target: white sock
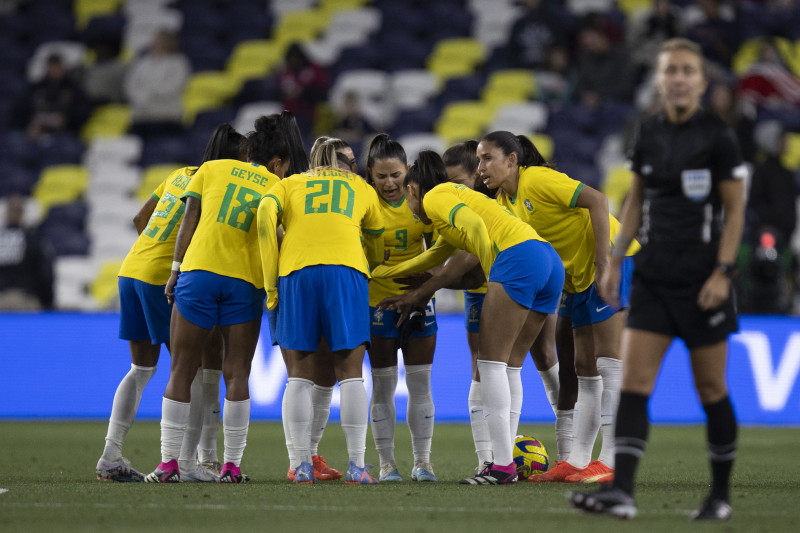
column 187, row 461
column 564, row 433
column 496, row 406
column 299, row 416
column 551, row 385
column 321, row 399
column 420, row 411
column 611, row 372
column 235, row 423
column 515, row 389
column 293, row 460
column 586, row 420
column 174, row 417
column 383, row 413
column 124, row 407
column 353, row 413
column 207, row 450
column 480, row 430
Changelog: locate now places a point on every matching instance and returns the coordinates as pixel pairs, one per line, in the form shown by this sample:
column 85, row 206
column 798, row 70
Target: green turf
column 48, row 470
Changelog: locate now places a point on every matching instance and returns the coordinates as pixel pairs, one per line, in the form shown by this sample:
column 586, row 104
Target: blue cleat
column 390, row 473
column 304, row 474
column 423, row 472
column 359, row 475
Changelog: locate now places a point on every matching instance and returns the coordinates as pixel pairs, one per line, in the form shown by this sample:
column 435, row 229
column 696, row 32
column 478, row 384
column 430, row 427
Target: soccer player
column 319, row 281
column 145, row 319
column 341, row 147
column 216, row 279
column 688, row 172
column 525, row 279
column 574, row 218
column 405, row 237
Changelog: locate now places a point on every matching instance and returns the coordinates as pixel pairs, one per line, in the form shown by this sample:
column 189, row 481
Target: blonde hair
column 681, row 43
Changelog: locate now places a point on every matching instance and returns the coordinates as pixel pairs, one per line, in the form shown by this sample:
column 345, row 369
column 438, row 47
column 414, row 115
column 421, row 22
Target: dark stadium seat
column 16, row 179
column 257, row 90
column 165, row 150
column 60, row 149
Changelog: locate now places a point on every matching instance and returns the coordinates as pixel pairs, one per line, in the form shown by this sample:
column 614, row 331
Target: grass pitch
column 47, row 483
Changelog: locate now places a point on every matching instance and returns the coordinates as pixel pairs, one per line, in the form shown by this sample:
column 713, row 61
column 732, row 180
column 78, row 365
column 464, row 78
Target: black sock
column 631, row 438
column 721, row 435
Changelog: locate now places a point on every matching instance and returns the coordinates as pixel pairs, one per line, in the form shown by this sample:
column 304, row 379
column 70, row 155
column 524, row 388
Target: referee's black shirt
column 681, row 166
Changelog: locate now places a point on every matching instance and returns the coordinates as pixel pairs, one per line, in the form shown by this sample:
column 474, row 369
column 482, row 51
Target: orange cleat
column 596, row 472
column 290, row 475
column 557, row 474
column 322, row 471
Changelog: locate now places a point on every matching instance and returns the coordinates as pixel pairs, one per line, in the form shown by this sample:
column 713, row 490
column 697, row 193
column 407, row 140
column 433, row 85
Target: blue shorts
column 318, row 301
column 587, row 307
column 473, row 305
column 383, row 323
column 532, row 274
column 144, row 312
column 207, row 299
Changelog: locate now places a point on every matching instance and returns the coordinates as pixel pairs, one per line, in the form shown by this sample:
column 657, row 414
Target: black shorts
column 673, row 311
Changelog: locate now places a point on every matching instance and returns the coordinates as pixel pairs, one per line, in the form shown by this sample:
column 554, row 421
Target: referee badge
column 696, row 184
column 528, row 205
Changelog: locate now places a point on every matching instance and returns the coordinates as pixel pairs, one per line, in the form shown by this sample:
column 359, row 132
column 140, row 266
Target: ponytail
column 427, row 172
column 277, row 135
column 224, row 143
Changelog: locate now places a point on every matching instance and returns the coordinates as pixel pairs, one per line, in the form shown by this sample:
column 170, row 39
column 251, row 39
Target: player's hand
column 607, row 284
column 386, row 255
column 415, row 322
column 169, row 290
column 715, row 291
column 412, row 281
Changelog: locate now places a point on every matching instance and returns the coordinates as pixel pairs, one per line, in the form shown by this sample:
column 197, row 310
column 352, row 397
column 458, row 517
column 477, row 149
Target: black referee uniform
column 681, row 167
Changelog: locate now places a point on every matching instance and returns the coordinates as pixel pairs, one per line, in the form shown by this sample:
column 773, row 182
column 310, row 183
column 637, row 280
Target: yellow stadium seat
column 544, row 143
column 791, row 156
column 104, row 289
column 85, row 10
column 456, row 57
column 633, row 7
column 496, row 99
column 463, row 120
column 208, row 90
column 616, row 185
column 253, row 59
column 518, row 81
column 110, row 120
column 748, row 52
column 60, row 184
column 332, row 6
column 300, row 26
column 152, row 177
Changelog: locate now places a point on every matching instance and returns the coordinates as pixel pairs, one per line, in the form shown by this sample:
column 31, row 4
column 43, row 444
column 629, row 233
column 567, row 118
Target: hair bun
column 267, row 124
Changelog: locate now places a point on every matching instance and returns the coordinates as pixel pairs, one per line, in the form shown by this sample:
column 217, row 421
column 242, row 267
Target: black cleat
column 712, row 509
column 607, row 500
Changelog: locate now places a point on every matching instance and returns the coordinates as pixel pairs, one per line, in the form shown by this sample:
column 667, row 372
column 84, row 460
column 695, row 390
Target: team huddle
column 346, row 266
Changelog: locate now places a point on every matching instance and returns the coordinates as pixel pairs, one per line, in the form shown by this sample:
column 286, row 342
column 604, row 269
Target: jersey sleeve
column 372, row 222
column 433, row 256
column 195, row 187
column 728, row 157
column 159, row 192
column 267, row 222
column 553, row 187
column 476, row 235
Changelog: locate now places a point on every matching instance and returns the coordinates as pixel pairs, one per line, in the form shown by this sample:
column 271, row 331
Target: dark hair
column 343, row 162
column 428, row 171
column 527, row 154
column 382, row 147
column 277, row 136
column 462, row 154
column 224, row 143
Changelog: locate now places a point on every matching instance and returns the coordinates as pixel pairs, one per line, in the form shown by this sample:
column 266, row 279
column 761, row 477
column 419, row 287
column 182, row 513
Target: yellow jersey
column 404, row 236
column 150, row 258
column 225, row 241
column 545, row 199
column 323, row 213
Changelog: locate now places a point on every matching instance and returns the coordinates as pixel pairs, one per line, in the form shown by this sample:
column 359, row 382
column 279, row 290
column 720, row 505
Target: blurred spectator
column 351, row 126
column 543, row 25
column 56, row 104
column 603, row 67
column 740, row 116
column 154, row 87
column 103, row 80
column 714, row 26
column 647, row 33
column 557, row 80
column 303, row 85
column 26, row 264
column 768, row 82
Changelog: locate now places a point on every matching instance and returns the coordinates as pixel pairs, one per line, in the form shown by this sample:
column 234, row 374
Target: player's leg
column 545, row 357
column 420, row 411
column 567, row 386
column 299, row 413
column 321, row 393
column 527, row 338
column 473, row 305
column 383, row 412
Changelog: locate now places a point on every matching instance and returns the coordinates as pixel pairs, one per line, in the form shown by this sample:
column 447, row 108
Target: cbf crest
column 528, row 205
column 377, row 317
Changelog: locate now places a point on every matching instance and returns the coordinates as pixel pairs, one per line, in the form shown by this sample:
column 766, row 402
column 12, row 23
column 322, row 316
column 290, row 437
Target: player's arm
column 191, row 216
column 267, row 224
column 143, row 216
column 433, row 256
column 474, row 229
column 597, row 204
column 373, row 247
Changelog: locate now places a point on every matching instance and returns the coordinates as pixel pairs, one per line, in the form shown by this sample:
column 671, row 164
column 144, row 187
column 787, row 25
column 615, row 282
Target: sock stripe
column 629, row 450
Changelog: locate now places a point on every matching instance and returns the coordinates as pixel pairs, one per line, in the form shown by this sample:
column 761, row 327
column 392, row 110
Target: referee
column 687, row 206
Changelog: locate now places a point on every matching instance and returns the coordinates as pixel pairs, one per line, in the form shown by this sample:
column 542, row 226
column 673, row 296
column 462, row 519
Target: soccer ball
column 530, row 456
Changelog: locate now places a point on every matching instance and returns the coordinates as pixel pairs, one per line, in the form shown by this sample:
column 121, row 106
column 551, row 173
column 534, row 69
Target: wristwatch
column 728, row 269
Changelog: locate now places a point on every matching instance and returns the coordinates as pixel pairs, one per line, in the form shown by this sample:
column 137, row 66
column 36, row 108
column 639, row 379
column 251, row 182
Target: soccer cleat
column 712, row 509
column 120, row 471
column 557, row 474
column 213, row 466
column 304, row 474
column 491, row 476
column 608, row 500
column 596, row 472
column 322, row 472
column 201, row 474
column 357, row 475
column 165, row 473
column 423, row 472
column 389, row 472
column 290, row 475
column 232, row 474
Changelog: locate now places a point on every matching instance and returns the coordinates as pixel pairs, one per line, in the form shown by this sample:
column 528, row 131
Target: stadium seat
column 364, row 21
column 17, row 179
column 164, row 149
column 791, row 156
column 61, row 184
column 616, row 184
column 372, row 90
column 85, row 10
column 121, row 150
column 113, row 176
column 61, row 149
column 282, row 7
column 333, row 6
column 206, row 91
column 463, row 120
column 456, row 57
column 521, row 119
column 248, row 113
column 582, row 7
column 544, row 143
column 142, row 26
column 413, row 88
column 111, row 120
column 300, row 26
column 104, row 289
column 254, row 59
column 519, row 82
column 152, row 178
column 414, row 143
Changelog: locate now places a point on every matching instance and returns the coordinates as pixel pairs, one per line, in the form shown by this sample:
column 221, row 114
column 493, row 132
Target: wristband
column 176, row 266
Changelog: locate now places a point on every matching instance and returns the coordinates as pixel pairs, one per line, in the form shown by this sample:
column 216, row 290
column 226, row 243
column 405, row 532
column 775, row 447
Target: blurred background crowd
column 101, row 99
